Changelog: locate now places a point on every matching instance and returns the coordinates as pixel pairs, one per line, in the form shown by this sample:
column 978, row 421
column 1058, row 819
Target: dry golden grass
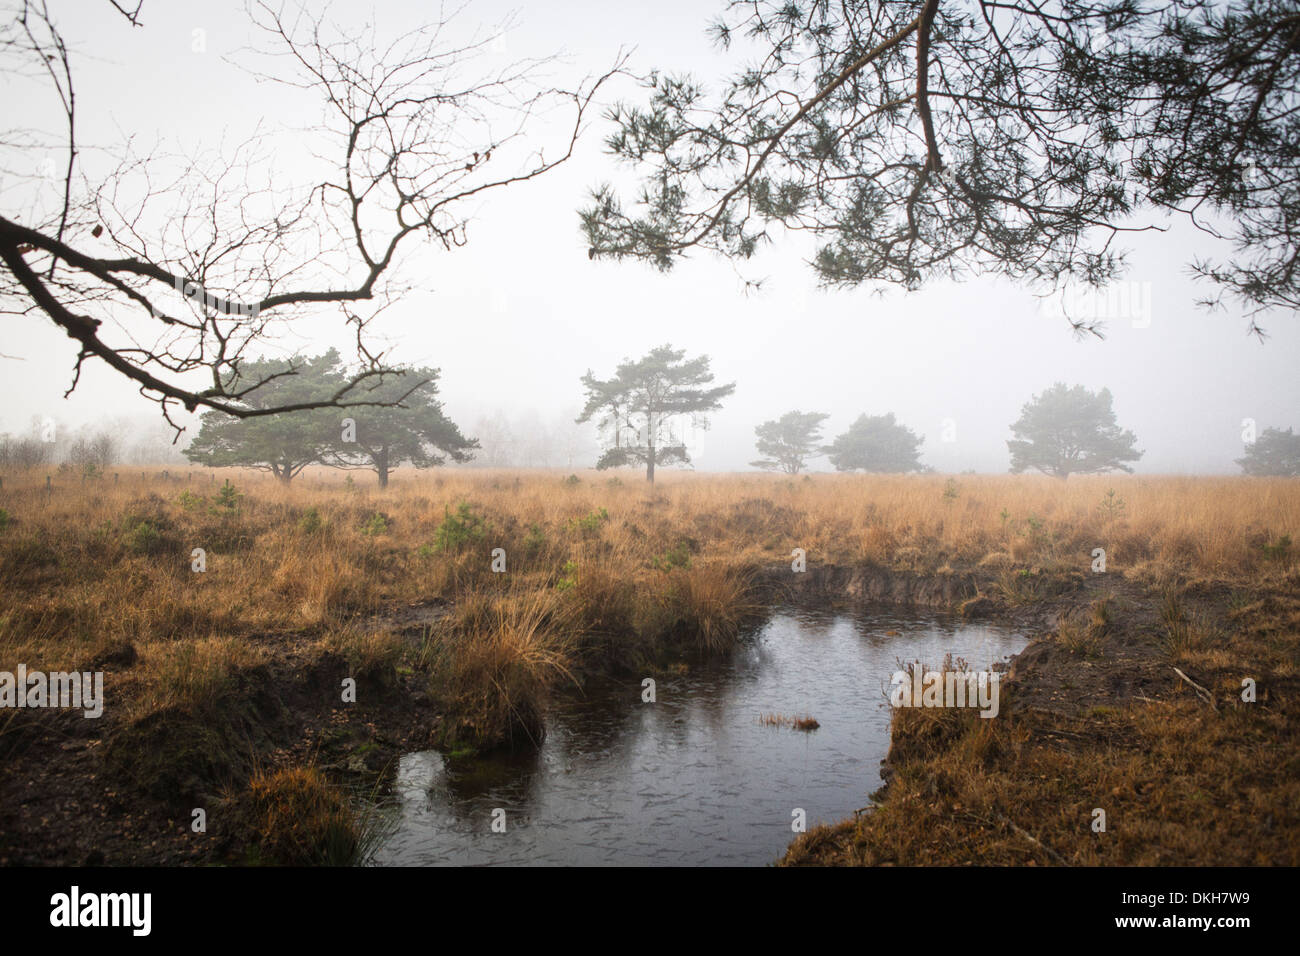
column 295, row 817
column 604, row 574
column 503, row 655
column 633, row 568
column 805, row 722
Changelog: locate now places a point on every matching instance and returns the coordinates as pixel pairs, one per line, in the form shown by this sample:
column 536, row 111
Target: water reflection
column 693, row 778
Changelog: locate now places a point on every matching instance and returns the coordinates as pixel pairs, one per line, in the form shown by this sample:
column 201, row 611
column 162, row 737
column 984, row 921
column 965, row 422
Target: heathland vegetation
column 227, row 610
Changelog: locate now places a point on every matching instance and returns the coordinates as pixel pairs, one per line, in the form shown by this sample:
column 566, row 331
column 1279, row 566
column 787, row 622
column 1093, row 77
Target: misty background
column 515, row 317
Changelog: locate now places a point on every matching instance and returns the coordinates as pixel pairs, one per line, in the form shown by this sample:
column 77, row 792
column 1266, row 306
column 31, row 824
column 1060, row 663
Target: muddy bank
column 975, row 595
column 1125, row 738
column 840, row 584
column 123, row 792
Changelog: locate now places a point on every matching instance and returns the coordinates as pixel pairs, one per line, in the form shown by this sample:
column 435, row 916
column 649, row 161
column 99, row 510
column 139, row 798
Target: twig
column 1034, row 840
column 1019, row 830
column 1200, row 691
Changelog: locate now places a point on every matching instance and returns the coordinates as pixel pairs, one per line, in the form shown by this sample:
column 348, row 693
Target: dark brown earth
column 86, row 792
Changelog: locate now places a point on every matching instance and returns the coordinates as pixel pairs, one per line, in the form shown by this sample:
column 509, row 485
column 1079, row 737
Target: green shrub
column 1278, row 549
column 375, row 525
column 142, row 538
column 227, row 498
column 310, row 522
column 590, row 523
column 569, row 577
column 1111, row 507
column 460, row 529
column 535, row 541
column 675, row 557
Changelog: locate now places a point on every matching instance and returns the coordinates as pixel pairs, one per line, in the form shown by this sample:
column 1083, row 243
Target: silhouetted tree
column 384, row 436
column 1274, row 452
column 24, row 453
column 877, row 443
column 283, row 444
column 1070, row 430
column 925, row 139
column 789, row 441
column 161, row 268
column 639, row 405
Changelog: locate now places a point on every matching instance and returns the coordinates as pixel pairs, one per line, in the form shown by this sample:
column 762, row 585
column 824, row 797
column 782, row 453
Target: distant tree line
column 88, row 449
column 1062, row 431
column 1065, row 430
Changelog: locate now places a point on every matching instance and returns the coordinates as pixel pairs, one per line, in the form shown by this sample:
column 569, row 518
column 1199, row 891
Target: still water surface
column 694, row 778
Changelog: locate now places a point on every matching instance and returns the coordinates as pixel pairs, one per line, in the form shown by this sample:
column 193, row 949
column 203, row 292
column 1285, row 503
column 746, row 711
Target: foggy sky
column 519, row 314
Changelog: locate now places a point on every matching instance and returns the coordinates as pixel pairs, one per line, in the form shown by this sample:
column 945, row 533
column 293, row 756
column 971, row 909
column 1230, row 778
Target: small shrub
column 1111, row 507
column 375, row 525
column 678, row 556
column 4, row 519
column 227, row 498
column 535, row 541
column 310, row 522
column 463, row 528
column 950, row 492
column 589, row 524
column 569, row 577
column 1278, row 549
column 142, row 538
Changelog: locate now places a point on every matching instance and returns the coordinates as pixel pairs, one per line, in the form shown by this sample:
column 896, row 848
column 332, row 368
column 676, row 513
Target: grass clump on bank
column 294, row 817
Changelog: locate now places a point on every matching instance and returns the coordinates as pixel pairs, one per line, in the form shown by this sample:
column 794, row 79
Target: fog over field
column 516, row 316
column 759, row 433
